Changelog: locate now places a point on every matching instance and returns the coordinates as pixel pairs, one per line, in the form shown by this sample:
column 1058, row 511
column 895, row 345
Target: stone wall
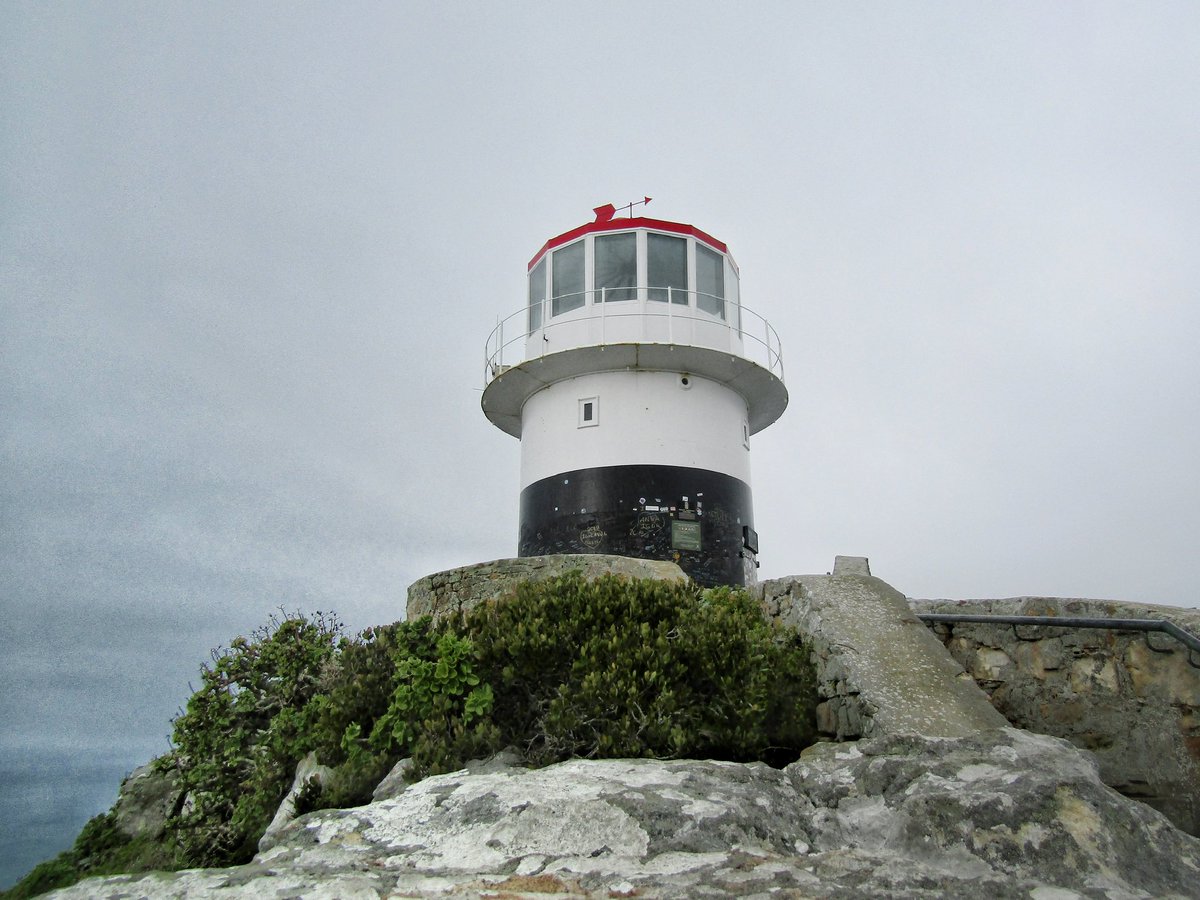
column 1131, row 698
column 458, row 590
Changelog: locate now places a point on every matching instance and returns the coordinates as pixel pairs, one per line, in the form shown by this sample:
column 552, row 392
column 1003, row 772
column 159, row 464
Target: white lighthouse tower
column 634, row 378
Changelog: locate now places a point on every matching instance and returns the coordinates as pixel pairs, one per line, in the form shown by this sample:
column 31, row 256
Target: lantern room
column 631, row 279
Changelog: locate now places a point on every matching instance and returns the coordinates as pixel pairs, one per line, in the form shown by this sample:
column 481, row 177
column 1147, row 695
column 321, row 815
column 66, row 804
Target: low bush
column 607, row 668
column 244, row 730
column 619, row 668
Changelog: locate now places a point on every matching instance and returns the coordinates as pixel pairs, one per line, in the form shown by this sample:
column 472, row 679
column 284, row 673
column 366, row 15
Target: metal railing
column 745, row 332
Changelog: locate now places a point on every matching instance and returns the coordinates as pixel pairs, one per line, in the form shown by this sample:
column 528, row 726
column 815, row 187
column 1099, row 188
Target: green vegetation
column 100, row 849
column 238, row 741
column 617, row 668
column 561, row 668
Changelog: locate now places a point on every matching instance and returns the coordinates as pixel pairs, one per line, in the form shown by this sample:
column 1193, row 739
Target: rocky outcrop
column 146, row 799
column 1010, row 815
column 458, row 590
column 879, row 670
column 1131, row 698
column 937, row 796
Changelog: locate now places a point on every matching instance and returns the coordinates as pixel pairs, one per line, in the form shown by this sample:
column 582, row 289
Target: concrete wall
column 1131, row 698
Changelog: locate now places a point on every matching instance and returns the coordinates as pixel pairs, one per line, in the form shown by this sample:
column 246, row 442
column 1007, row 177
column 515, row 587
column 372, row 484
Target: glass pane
column 537, row 295
column 666, row 267
column 567, row 274
column 616, row 266
column 710, row 281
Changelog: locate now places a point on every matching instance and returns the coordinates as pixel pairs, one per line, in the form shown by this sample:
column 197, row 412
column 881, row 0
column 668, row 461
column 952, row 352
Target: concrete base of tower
column 699, row 519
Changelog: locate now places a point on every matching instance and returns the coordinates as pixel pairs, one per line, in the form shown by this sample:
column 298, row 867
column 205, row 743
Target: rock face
column 458, row 590
column 1011, row 815
column 146, row 800
column 879, row 670
column 1131, row 698
column 308, row 770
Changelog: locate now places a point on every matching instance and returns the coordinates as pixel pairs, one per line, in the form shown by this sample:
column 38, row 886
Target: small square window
column 589, row 412
column 746, row 435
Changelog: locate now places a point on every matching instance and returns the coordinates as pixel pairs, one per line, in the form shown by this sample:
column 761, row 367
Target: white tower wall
column 637, row 418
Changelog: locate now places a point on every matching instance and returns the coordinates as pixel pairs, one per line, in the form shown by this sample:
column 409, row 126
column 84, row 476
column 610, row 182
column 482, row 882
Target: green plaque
column 685, row 535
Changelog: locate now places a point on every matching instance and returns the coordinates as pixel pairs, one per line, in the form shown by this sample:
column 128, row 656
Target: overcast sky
column 249, row 255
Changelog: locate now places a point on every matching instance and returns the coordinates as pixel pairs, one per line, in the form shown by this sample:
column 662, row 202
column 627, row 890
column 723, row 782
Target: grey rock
column 307, row 770
column 851, row 565
column 497, row 762
column 395, row 782
column 1006, row 814
column 146, row 800
column 1024, row 806
column 879, row 669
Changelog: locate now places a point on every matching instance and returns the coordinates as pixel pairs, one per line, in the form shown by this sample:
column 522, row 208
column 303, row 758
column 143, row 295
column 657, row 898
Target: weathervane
column 606, row 212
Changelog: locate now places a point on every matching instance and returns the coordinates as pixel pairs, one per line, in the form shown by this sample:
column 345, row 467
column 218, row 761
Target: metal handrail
column 512, row 329
column 1164, row 625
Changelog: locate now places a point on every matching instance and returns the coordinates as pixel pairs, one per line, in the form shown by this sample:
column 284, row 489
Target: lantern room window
column 710, row 281
column 537, row 295
column 566, row 267
column 666, row 267
column 616, row 267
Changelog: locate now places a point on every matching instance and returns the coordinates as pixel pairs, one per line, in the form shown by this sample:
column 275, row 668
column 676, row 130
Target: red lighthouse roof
column 624, row 225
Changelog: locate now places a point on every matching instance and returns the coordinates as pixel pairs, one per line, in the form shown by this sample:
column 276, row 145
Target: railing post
column 670, row 315
column 603, row 311
column 732, row 310
column 546, row 307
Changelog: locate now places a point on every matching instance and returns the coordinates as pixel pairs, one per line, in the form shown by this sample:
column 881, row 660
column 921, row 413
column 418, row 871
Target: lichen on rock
column 1007, row 814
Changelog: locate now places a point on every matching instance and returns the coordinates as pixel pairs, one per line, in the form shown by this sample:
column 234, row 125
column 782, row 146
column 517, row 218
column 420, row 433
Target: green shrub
column 356, row 686
column 238, row 742
column 621, row 668
column 608, row 668
column 438, row 710
column 61, row 871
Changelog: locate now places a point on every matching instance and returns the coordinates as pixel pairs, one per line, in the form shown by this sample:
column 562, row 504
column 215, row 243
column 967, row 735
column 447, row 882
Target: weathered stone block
column 990, row 664
column 851, row 565
column 458, row 590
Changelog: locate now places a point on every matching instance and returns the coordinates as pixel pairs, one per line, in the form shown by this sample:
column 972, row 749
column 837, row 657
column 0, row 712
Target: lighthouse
column 634, row 378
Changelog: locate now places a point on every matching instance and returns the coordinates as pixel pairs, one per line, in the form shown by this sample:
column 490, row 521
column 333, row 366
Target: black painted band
column 649, row 512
